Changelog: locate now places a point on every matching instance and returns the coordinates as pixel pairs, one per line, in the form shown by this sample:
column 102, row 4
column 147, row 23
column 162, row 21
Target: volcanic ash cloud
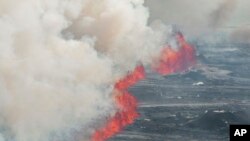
column 59, row 60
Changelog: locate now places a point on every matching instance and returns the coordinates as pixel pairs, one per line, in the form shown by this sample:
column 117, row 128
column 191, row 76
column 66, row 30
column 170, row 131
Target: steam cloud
column 59, row 60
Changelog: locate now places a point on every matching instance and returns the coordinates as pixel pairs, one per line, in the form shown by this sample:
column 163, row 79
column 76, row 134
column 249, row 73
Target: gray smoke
column 59, row 60
column 241, row 34
column 223, row 13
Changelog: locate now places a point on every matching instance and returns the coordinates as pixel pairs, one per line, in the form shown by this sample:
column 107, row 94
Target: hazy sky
column 198, row 15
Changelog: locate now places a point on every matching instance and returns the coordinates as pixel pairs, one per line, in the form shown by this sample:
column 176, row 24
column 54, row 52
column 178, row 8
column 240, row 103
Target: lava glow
column 131, row 79
column 170, row 61
column 126, row 104
column 176, row 61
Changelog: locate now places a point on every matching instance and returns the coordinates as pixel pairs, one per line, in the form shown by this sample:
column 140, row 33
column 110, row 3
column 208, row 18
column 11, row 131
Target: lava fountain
column 176, row 61
column 170, row 61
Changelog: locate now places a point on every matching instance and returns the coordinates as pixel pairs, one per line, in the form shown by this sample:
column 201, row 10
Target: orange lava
column 176, row 61
column 131, row 79
column 170, row 61
column 126, row 104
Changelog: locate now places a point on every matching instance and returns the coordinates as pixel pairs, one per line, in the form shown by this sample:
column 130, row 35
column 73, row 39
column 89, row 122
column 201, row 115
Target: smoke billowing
column 59, row 60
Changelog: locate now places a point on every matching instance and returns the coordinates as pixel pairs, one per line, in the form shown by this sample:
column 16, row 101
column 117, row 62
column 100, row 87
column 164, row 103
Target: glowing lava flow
column 172, row 61
column 127, row 106
column 131, row 79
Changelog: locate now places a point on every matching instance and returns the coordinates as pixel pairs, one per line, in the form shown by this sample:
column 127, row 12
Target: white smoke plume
column 59, row 60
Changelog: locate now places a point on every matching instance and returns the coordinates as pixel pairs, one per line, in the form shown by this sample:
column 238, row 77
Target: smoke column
column 64, row 66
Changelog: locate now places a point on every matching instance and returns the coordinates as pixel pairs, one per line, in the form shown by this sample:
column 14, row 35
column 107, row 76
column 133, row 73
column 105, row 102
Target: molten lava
column 176, row 61
column 126, row 104
column 170, row 61
column 131, row 79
